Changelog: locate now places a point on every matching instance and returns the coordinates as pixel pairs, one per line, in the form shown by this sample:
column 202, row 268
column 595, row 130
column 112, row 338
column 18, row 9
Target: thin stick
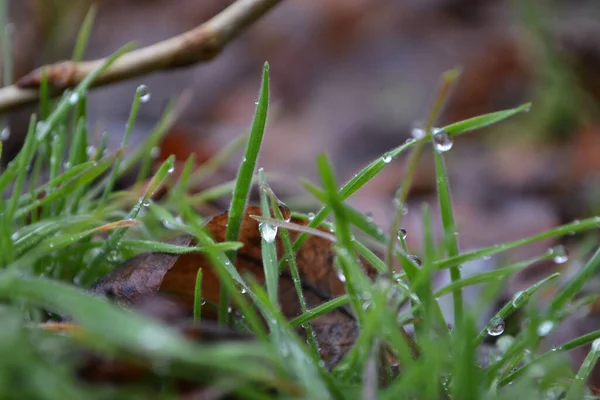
column 200, row 44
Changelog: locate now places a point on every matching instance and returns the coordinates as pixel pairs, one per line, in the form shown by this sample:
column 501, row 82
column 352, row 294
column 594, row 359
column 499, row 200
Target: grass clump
column 61, row 233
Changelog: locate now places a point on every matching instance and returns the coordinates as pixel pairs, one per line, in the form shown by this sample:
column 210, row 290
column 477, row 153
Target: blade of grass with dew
column 84, row 34
column 129, row 128
column 160, row 247
column 182, row 186
column 573, row 287
column 268, row 234
column 449, row 226
column 28, row 236
column 163, row 171
column 244, row 178
column 95, row 170
column 10, row 209
column 567, row 229
column 376, row 166
column 354, row 278
column 293, row 267
column 320, row 310
column 447, row 82
column 509, row 307
column 488, row 276
column 198, row 296
column 227, row 273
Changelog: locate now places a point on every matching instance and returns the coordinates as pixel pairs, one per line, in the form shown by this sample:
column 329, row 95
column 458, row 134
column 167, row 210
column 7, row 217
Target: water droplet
column 369, row 216
column 243, row 291
column 443, row 142
column 14, row 236
column 341, row 275
column 256, row 102
column 91, row 150
column 155, row 152
column 417, row 131
column 144, row 93
column 386, row 158
column 544, row 328
column 67, row 164
column 415, row 259
column 146, row 203
column 268, row 232
column 486, row 258
column 229, row 309
column 310, row 216
column 114, row 256
column 402, row 233
column 527, row 108
column 171, row 170
column 285, row 211
column 559, row 254
column 202, row 302
column 401, row 207
column 74, row 98
column 520, row 299
column 5, row 134
column 596, row 345
column 496, row 327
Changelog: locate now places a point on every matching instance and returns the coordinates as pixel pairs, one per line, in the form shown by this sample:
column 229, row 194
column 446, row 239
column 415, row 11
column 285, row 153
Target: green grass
column 60, row 233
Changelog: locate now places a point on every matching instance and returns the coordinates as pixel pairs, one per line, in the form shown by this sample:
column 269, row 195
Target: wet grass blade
column 244, row 177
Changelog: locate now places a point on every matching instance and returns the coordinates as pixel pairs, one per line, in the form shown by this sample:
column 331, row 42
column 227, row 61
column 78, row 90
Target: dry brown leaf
column 175, row 275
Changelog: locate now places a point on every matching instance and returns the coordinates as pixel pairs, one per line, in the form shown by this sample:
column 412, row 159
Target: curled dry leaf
column 175, row 275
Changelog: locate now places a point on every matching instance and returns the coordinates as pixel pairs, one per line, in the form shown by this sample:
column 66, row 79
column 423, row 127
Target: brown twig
column 197, row 45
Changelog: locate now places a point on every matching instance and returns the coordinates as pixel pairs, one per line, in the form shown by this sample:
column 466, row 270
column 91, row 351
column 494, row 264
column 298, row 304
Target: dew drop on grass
column 114, row 256
column 415, row 259
column 596, row 345
column 401, row 207
column 171, row 170
column 417, row 131
column 74, row 98
column 311, row 216
column 496, row 327
column 559, row 254
column 91, row 150
column 520, row 299
column 243, row 291
column 527, row 109
column 155, row 152
column 386, row 158
column 144, row 93
column 402, row 233
column 268, row 232
column 341, row 275
column 544, row 328
column 443, row 142
column 5, row 134
column 369, row 216
column 146, row 203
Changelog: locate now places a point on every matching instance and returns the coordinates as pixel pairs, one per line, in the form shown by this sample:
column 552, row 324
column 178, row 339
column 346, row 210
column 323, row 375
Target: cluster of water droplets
column 441, row 139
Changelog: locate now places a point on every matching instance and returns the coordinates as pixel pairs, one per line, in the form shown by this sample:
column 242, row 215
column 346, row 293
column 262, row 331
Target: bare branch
column 200, row 44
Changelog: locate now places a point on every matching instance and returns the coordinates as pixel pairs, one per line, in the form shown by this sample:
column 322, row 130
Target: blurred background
column 352, row 78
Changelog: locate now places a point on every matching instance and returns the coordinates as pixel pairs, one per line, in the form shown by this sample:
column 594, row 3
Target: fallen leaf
column 175, row 275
